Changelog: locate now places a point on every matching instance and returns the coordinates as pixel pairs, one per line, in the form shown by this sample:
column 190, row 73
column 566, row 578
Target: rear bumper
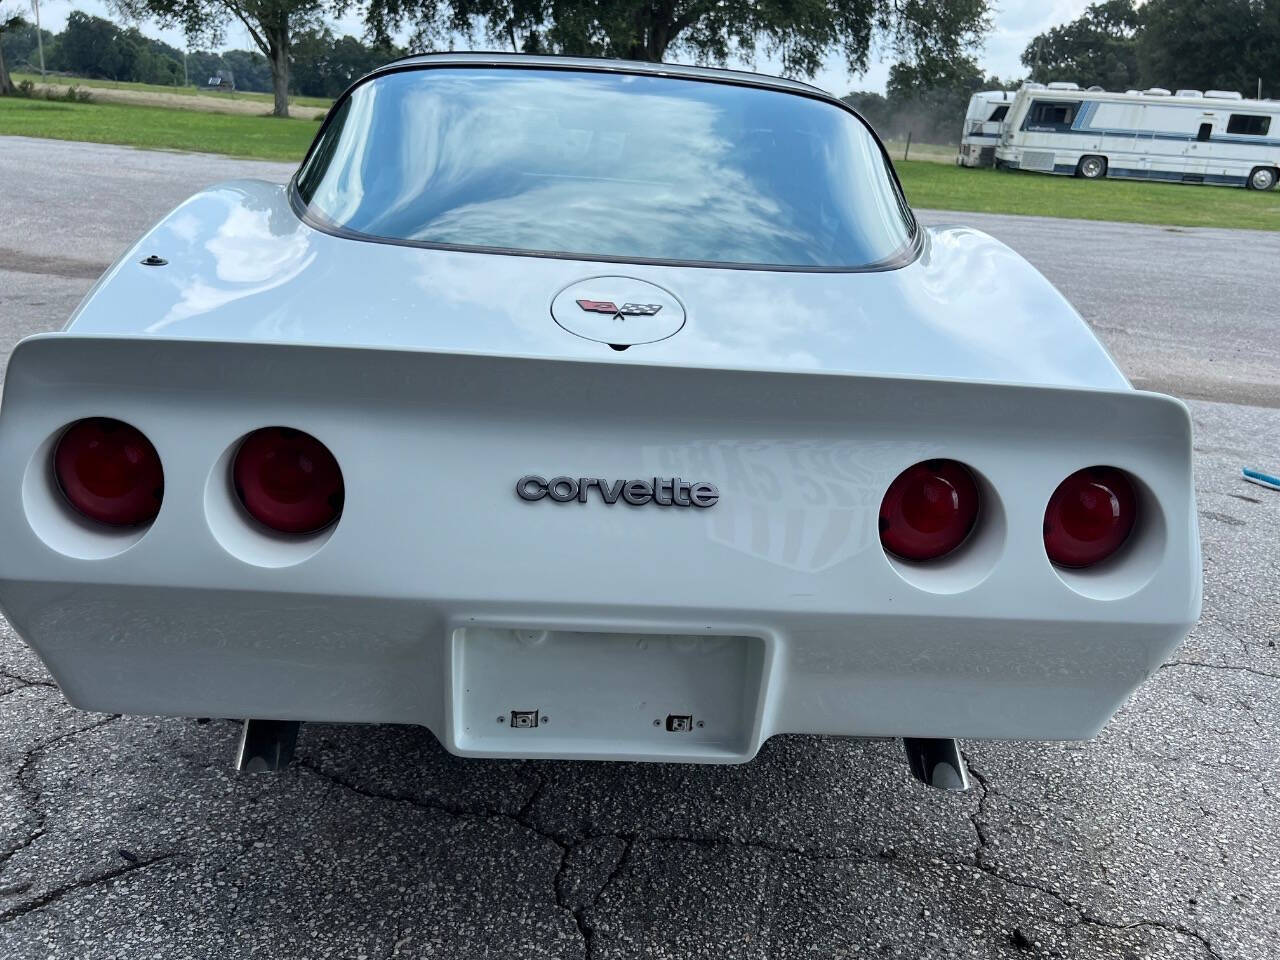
column 441, row 598
column 1008, row 158
column 976, row 155
column 187, row 652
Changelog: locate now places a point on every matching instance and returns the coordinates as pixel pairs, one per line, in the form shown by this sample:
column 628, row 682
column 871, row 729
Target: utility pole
column 185, row 81
column 1259, row 88
column 35, row 5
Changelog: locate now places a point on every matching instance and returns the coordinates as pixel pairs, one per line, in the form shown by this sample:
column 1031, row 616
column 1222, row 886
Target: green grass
column 159, row 88
column 936, row 152
column 942, row 187
column 263, row 138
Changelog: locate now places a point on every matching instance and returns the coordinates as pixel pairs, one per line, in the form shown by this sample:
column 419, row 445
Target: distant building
column 222, row 80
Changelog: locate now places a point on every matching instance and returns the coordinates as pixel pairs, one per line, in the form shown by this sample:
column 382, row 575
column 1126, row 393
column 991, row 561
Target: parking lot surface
column 131, row 837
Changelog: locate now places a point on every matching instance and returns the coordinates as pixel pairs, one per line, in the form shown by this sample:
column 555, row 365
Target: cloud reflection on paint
column 248, row 254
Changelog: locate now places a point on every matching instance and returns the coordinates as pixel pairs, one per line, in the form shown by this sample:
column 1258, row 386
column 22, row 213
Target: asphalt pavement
column 131, row 837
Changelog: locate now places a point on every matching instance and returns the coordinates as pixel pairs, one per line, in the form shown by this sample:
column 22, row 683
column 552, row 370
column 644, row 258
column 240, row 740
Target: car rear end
column 569, row 626
column 591, row 411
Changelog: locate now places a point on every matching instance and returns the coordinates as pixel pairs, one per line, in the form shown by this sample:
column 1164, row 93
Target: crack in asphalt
column 522, row 818
column 581, row 914
column 519, row 818
column 25, row 681
column 33, row 804
column 565, row 843
column 566, row 847
column 57, row 893
column 14, row 851
column 1092, row 921
column 586, row 929
column 1083, row 916
column 17, row 689
column 557, row 887
column 449, row 809
column 397, row 929
column 1220, row 666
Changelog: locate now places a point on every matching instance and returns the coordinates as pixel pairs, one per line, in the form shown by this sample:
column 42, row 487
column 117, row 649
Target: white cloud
column 1015, row 23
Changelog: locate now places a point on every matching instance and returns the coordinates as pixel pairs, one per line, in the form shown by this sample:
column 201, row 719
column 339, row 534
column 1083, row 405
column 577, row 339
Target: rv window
column 999, row 112
column 1206, row 132
column 1051, row 115
column 1249, row 124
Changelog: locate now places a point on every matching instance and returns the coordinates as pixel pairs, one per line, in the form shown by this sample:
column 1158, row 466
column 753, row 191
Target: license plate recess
column 584, row 694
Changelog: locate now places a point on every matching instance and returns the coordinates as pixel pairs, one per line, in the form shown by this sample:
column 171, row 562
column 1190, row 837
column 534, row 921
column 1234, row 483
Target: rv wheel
column 1262, row 178
column 1091, row 168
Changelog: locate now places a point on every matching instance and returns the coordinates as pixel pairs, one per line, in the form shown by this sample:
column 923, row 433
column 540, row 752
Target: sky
column 1015, row 23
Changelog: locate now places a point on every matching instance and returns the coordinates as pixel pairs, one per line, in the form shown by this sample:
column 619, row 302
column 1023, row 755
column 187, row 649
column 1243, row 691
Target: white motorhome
column 982, row 123
column 1215, row 136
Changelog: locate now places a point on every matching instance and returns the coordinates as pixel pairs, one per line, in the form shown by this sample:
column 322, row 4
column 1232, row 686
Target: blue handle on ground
column 1265, row 479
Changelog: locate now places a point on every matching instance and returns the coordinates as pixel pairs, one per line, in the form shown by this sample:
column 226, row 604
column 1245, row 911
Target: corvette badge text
column 664, row 491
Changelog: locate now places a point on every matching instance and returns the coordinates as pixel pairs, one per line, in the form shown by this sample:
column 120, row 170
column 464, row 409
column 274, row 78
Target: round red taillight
column 288, row 480
column 929, row 510
column 1089, row 516
column 109, row 472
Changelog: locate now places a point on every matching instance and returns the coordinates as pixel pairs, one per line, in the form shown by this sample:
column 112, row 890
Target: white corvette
column 589, row 409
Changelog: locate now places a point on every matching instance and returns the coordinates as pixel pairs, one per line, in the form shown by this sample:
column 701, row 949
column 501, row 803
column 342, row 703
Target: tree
column 1200, row 44
column 1099, row 47
column 87, row 46
column 94, row 47
column 926, row 100
column 929, row 99
column 9, row 21
column 801, row 32
column 18, row 44
column 1210, row 44
column 250, row 69
column 874, row 108
column 324, row 65
column 271, row 24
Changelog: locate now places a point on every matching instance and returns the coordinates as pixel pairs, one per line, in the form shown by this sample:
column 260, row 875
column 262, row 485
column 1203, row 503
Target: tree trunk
column 6, row 81
column 280, row 85
column 638, row 48
column 665, row 26
column 278, row 38
column 660, row 30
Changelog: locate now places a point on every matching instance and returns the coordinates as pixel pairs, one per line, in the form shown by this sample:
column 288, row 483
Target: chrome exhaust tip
column 266, row 745
column 937, row 763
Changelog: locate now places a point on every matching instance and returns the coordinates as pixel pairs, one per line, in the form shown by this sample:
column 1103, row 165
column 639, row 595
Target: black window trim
column 905, row 255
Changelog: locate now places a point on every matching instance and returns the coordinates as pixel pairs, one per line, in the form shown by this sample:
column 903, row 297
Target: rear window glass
column 615, row 166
